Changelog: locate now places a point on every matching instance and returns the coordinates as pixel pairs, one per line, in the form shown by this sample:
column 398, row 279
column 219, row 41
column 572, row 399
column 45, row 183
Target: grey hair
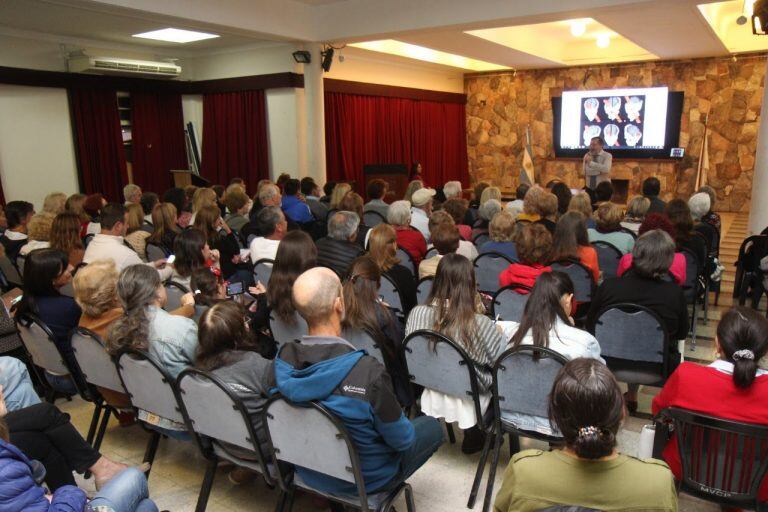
column 699, row 204
column 452, row 189
column 488, row 209
column 652, row 254
column 343, row 225
column 638, row 207
column 268, row 218
column 137, row 289
column 399, row 213
column 515, row 208
column 711, row 193
column 129, row 190
column 268, row 191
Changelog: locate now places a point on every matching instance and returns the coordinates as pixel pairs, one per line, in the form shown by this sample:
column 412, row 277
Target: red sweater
column 517, row 273
column 413, row 243
column 710, row 391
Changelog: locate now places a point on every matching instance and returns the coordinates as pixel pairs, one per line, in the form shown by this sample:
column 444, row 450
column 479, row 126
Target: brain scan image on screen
column 591, row 107
column 632, row 106
column 611, row 135
column 632, row 135
column 590, row 131
column 612, row 107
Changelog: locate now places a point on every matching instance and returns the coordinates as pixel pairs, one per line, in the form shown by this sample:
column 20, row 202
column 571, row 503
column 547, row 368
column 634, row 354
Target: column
column 758, row 211
column 314, row 100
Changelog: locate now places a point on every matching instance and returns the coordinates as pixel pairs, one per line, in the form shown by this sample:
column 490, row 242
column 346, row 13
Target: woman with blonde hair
column 412, row 187
column 38, row 232
column 135, row 236
column 75, row 204
column 382, row 248
column 65, row 236
column 583, row 204
column 165, row 227
column 608, row 218
column 220, row 237
column 203, row 197
column 55, row 203
column 339, row 191
column 502, row 233
column 490, row 193
column 636, row 210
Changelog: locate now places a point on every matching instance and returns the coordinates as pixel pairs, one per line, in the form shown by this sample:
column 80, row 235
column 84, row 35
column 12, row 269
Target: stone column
column 758, row 211
column 314, row 101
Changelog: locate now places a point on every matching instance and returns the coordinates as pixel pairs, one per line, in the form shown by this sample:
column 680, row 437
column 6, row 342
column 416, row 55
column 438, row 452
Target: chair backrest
column 628, row 231
column 155, row 252
column 692, row 270
column 723, row 461
column 39, row 342
column 175, row 292
column 389, row 292
column 10, row 271
column 364, row 341
column 423, row 289
column 87, row 239
column 632, row 333
column 431, row 252
column 373, row 219
column 406, row 261
column 149, row 384
column 437, row 362
column 283, row 332
column 509, row 303
column 20, row 260
column 488, row 266
column 581, row 276
column 608, row 257
column 212, row 409
column 523, row 378
column 95, row 363
column 262, row 270
column 480, row 239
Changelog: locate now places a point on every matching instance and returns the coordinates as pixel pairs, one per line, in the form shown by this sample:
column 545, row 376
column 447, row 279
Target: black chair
column 608, row 257
column 628, row 231
column 262, row 270
column 372, row 219
column 480, row 239
column 174, row 291
column 391, row 294
column 723, row 461
column 748, row 282
column 156, row 252
column 693, row 287
column 509, row 304
column 431, row 252
column 583, row 284
column 423, row 289
column 406, row 261
column 488, row 266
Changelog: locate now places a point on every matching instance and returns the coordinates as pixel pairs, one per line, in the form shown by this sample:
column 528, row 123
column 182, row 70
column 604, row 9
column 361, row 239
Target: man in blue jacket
column 293, row 207
column 354, row 386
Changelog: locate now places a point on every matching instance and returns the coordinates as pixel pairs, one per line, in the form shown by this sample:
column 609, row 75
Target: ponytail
column 137, row 289
column 594, row 442
column 743, row 337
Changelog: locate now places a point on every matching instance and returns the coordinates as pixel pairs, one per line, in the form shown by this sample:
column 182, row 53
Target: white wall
column 37, row 154
column 285, row 134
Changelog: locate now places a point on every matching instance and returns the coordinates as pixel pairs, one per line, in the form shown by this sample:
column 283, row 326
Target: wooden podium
column 396, row 175
column 185, row 178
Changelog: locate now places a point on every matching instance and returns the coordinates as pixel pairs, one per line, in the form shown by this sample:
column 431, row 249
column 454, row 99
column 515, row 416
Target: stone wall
column 728, row 93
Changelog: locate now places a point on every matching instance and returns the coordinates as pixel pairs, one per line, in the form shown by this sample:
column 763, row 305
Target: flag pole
column 701, row 153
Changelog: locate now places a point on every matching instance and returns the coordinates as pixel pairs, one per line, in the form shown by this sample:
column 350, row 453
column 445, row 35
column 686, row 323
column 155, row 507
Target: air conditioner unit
column 117, row 66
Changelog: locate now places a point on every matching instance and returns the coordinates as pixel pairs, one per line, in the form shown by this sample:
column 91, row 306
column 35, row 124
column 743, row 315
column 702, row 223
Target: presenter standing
column 597, row 163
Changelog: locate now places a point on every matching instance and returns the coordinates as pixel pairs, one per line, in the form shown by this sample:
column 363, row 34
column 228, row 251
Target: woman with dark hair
column 92, row 207
column 208, row 289
column 452, row 310
column 534, row 245
column 164, row 225
column 295, row 254
column 382, row 248
column 415, row 173
column 45, row 272
column 65, row 236
column 685, row 237
column 563, row 194
column 587, row 408
column 733, row 387
column 651, row 222
column 364, row 311
column 221, row 238
column 192, row 252
column 571, row 242
column 603, row 193
column 456, row 207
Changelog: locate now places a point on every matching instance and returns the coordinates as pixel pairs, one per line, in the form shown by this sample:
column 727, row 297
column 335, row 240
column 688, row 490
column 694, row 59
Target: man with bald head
column 328, row 369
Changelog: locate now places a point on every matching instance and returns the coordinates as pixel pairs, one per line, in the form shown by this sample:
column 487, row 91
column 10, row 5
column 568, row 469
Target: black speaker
column 327, row 59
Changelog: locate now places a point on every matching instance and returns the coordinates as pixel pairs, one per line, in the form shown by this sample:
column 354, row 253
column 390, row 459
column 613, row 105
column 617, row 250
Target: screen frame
column 675, row 101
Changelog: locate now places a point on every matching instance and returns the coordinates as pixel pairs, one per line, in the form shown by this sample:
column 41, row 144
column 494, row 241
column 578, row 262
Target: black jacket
column 657, row 205
column 337, row 254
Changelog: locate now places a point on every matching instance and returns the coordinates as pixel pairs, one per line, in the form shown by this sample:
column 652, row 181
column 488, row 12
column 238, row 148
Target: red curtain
column 235, row 137
column 158, row 139
column 99, row 142
column 362, row 130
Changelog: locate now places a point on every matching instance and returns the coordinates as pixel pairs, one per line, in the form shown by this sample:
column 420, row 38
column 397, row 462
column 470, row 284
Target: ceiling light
column 413, row 51
column 578, row 28
column 603, row 40
column 175, row 35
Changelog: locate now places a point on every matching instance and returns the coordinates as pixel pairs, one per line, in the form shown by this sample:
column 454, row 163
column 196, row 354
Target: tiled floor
column 443, row 484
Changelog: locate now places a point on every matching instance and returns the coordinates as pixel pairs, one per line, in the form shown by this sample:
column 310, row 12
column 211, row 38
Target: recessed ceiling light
column 176, row 35
column 578, row 27
column 603, row 40
column 412, row 51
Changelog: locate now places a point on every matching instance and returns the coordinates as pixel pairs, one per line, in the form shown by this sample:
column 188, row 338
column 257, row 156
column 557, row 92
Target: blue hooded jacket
column 296, row 210
column 357, row 389
column 20, row 493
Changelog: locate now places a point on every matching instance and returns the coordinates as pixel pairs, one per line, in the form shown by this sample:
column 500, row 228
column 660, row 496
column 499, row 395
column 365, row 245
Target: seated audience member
column 451, row 309
column 238, row 203
column 108, row 244
column 148, row 202
column 268, row 195
column 74, row 204
column 3, row 221
column 208, row 289
column 327, row 191
column 452, row 190
column 365, row 312
column 272, row 223
column 412, row 187
column 131, row 194
column 477, row 194
column 608, row 218
column 16, row 384
column 603, row 193
column 571, row 242
column 192, row 252
column 178, row 198
column 487, row 211
column 65, row 237
column 733, row 387
column 699, row 204
column 532, row 205
column 547, row 323
column 636, row 211
column 282, row 179
column 38, row 233
column 134, row 235
column 377, row 191
column 563, row 194
column 587, row 408
column 516, row 207
column 651, row 222
column 534, row 245
column 583, row 204
column 220, row 237
column 18, row 213
column 421, row 210
column 445, row 238
column 220, row 191
column 353, row 202
column 383, row 250
column 311, row 193
column 339, row 191
column 651, row 190
column 323, row 366
column 203, row 197
column 711, row 218
column 466, row 248
column 164, row 225
column 502, row 233
column 45, row 272
column 293, row 207
column 457, row 208
column 339, row 248
column 685, row 237
column 645, row 285
column 92, row 206
column 548, row 211
column 410, row 240
column 55, row 203
column 490, row 193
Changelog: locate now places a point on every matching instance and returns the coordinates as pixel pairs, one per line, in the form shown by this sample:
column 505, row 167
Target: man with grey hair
column 410, row 240
column 269, row 195
column 338, row 249
column 422, row 201
column 132, row 194
column 273, row 226
column 452, row 189
column 354, row 386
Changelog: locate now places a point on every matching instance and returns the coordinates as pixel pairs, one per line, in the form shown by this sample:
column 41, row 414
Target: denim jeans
column 61, row 383
column 18, row 390
column 126, row 492
column 429, row 437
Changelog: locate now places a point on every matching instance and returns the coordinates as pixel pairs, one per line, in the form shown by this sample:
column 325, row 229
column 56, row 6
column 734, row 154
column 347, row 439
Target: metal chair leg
column 205, row 489
column 97, row 408
column 492, row 472
column 481, row 467
column 410, row 505
column 102, row 428
column 149, row 454
column 451, row 435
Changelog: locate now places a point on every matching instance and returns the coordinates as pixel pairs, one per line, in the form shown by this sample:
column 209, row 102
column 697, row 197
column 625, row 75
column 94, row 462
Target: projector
column 760, row 18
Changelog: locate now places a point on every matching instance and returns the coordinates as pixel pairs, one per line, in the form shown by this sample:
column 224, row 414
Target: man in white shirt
column 422, row 209
column 273, row 225
column 132, row 194
column 110, row 245
column 597, row 163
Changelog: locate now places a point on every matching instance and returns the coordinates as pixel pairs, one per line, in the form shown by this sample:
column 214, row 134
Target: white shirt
column 467, row 249
column 262, row 248
column 109, row 247
column 32, row 245
column 598, row 168
column 15, row 235
column 420, row 221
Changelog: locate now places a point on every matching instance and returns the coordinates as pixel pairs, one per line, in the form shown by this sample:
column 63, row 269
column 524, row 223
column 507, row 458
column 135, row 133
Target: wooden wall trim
column 366, row 89
column 59, row 79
